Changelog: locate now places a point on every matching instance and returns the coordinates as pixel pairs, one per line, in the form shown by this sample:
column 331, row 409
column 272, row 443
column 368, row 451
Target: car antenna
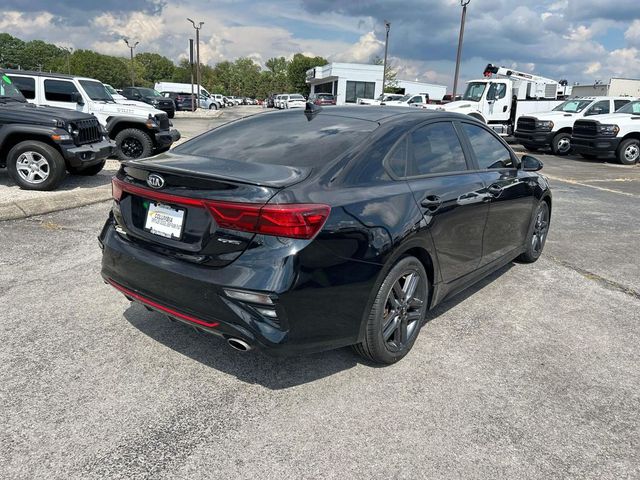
column 311, row 110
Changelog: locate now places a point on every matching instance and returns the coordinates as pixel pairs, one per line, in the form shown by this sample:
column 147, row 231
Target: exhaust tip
column 238, row 344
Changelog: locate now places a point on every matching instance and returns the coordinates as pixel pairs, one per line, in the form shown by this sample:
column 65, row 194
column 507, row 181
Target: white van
column 139, row 131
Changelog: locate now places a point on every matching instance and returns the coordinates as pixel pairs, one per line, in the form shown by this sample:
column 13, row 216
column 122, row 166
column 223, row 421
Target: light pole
column 387, row 26
column 197, row 27
column 69, row 50
column 464, row 4
column 133, row 73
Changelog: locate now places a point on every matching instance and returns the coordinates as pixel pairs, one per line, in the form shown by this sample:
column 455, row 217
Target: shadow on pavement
column 256, row 367
column 70, row 182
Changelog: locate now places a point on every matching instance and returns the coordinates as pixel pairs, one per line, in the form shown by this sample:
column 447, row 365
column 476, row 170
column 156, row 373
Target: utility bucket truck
column 504, row 94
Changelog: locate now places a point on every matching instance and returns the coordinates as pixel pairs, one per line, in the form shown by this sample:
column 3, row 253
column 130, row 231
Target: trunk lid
column 178, row 191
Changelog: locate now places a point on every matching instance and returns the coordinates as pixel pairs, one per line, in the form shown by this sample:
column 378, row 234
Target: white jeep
column 138, row 130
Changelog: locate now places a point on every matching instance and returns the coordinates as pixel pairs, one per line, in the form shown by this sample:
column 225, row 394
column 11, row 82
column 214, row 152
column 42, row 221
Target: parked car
column 295, row 101
column 139, row 129
column 152, row 97
column 38, row 145
column 553, row 129
column 322, row 99
column 411, row 100
column 183, row 101
column 323, row 228
column 386, row 97
column 610, row 136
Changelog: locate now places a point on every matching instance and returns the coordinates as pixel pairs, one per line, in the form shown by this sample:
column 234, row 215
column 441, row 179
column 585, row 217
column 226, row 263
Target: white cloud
column 367, row 47
column 632, row 34
column 22, row 23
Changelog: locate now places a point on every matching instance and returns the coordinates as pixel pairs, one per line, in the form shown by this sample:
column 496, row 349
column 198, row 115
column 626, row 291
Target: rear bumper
column 87, row 155
column 603, row 147
column 533, row 138
column 310, row 317
column 165, row 138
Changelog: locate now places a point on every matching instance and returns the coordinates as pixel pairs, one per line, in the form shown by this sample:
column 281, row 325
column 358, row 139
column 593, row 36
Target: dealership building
column 350, row 81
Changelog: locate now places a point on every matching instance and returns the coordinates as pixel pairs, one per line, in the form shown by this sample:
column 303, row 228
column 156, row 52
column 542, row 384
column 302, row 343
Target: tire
column 213, row 106
column 89, row 171
column 588, row 156
column 36, row 165
column 629, row 151
column 172, row 114
column 136, row 144
column 561, row 144
column 537, row 235
column 393, row 316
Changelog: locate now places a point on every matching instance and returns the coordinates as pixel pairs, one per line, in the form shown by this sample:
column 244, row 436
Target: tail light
column 294, row 220
column 300, row 220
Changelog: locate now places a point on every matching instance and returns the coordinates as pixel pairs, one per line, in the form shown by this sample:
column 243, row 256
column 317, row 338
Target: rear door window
column 59, row 91
column 26, row 85
column 489, row 151
column 436, row 148
column 616, row 103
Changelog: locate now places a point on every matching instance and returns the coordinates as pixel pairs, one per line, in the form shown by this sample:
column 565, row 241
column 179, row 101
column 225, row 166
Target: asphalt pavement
column 532, row 373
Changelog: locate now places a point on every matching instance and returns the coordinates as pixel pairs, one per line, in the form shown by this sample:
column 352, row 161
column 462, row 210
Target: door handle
column 432, row 202
column 495, row 190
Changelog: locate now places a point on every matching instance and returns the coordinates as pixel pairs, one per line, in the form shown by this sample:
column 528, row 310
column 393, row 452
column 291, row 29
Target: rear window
column 281, row 139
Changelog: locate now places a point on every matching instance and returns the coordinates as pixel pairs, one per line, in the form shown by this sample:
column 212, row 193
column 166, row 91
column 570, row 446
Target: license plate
column 164, row 221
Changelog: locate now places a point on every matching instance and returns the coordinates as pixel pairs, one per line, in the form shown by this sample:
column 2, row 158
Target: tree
column 155, row 68
column 105, row 68
column 297, row 71
column 275, row 78
column 391, row 76
column 10, row 50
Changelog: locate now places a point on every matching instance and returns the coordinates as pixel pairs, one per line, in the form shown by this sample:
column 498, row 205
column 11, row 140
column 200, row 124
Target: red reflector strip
column 162, row 308
column 118, row 186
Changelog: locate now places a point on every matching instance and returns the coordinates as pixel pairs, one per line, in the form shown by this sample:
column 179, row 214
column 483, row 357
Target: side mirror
column 77, row 98
column 531, row 164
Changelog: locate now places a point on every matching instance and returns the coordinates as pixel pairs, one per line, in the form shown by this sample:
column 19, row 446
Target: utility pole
column 197, row 27
column 69, row 50
column 387, row 26
column 464, row 4
column 133, row 72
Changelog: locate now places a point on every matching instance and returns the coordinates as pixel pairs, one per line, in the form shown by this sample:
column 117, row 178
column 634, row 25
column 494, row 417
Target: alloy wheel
column 632, row 152
column 33, row 167
column 132, row 147
column 540, row 230
column 564, row 145
column 403, row 310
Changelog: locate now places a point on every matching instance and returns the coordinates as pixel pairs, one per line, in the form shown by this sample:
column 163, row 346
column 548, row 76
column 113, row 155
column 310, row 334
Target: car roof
column 383, row 114
column 47, row 74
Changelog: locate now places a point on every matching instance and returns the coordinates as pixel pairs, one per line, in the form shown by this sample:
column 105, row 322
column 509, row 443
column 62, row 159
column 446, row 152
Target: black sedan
column 326, row 228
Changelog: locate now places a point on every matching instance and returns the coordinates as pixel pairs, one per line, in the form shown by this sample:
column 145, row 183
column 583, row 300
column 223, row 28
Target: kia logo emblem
column 155, row 181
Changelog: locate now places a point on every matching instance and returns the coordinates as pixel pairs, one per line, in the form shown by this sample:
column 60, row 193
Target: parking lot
column 532, row 373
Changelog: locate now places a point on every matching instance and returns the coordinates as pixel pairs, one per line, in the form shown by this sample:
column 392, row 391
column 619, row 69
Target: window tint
column 397, row 160
column 599, row 108
column 490, row 152
column 436, row 149
column 289, row 139
column 59, row 90
column 616, row 103
column 26, row 85
column 416, row 99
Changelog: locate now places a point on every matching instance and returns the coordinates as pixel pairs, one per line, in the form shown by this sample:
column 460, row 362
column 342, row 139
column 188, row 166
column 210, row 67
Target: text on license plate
column 164, row 221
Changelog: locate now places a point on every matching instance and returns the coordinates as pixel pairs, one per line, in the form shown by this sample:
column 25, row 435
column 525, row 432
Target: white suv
column 138, row 130
column 553, row 129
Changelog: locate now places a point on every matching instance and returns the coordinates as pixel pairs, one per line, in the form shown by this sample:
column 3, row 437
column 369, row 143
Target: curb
column 55, row 203
column 194, row 115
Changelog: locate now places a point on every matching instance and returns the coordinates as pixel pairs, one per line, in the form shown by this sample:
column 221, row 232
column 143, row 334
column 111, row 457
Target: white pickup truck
column 411, row 100
column 553, row 129
column 610, row 136
column 385, row 97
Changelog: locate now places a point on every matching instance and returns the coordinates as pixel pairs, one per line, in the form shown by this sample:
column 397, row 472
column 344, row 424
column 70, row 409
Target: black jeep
column 38, row 145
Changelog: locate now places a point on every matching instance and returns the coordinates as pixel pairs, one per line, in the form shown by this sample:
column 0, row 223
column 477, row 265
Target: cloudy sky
column 580, row 40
